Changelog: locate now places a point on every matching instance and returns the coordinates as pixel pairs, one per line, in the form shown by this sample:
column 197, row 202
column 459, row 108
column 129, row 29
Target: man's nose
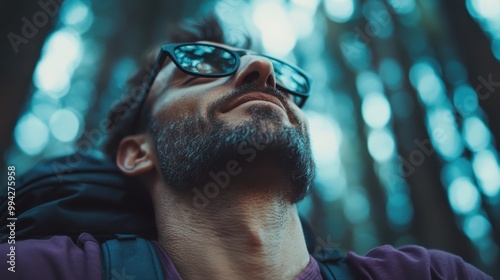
column 256, row 70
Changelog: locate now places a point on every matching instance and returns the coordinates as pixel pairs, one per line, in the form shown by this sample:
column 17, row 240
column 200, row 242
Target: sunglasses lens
column 206, row 60
column 289, row 78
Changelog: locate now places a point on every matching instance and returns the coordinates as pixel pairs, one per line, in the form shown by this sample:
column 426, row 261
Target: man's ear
column 135, row 155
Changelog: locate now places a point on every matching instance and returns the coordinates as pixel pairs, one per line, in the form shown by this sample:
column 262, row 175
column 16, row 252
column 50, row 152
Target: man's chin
column 191, row 151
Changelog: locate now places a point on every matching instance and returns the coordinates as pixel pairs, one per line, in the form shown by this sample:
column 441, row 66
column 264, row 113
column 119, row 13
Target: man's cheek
column 173, row 108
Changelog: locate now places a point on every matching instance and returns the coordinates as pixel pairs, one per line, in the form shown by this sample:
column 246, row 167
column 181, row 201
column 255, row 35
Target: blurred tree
column 24, row 26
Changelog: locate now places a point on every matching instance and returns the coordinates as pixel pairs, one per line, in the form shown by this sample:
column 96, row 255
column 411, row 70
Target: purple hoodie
column 59, row 258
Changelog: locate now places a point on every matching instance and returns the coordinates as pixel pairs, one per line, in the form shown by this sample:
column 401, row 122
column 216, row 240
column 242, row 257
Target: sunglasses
column 211, row 61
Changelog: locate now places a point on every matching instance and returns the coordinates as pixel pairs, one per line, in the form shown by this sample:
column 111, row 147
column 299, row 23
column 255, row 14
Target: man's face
column 199, row 125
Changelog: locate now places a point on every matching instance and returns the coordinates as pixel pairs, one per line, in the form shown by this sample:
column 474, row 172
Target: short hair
column 123, row 118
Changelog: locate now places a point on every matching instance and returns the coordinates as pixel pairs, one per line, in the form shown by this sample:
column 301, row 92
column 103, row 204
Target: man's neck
column 250, row 235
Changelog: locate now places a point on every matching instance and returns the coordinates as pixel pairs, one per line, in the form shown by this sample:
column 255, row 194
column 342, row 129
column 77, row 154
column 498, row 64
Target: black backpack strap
column 130, row 256
column 53, row 198
column 332, row 265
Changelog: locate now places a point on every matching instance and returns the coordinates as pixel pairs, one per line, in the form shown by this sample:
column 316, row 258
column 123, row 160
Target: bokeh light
column 339, row 10
column 488, row 9
column 31, row 134
column 477, row 136
column 402, row 6
column 399, row 210
column 430, row 87
column 278, row 36
column 376, row 110
column 61, row 55
column 444, row 133
column 465, row 100
column 356, row 207
column 487, row 170
column 476, row 226
column 77, row 15
column 381, row 145
column 64, row 125
column 463, row 195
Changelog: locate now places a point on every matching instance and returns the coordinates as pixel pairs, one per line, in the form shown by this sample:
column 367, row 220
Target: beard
column 191, row 148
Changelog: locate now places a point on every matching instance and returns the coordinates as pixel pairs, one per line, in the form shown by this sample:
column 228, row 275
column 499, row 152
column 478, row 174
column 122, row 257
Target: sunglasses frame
column 168, row 50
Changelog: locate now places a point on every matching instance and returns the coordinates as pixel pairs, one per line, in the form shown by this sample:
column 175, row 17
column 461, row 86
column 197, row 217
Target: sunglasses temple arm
column 155, row 70
column 152, row 76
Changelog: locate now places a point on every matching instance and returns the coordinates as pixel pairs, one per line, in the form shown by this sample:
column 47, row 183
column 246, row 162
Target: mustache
column 244, row 89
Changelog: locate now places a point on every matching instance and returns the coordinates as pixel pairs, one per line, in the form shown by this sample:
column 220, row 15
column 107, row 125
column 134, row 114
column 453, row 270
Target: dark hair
column 123, row 118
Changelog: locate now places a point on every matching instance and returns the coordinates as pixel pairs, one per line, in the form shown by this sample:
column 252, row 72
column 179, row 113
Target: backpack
column 63, row 196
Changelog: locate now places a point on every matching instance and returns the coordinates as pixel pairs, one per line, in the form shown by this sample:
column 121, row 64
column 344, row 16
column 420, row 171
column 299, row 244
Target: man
column 225, row 160
column 217, row 137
